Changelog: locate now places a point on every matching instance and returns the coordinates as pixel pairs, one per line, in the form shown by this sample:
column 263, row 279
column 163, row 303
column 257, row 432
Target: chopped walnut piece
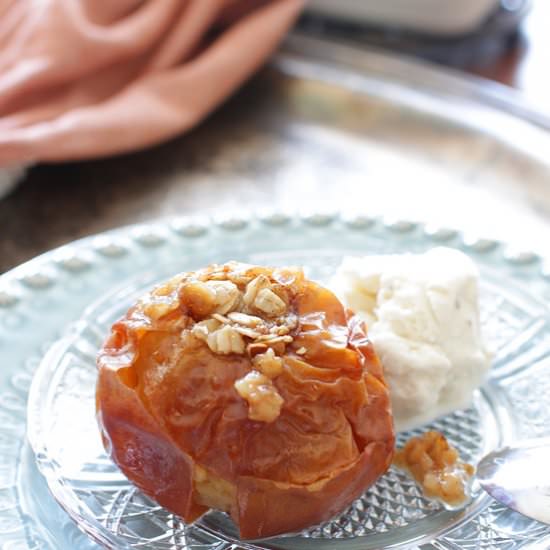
column 264, row 401
column 225, row 340
column 268, row 363
column 199, row 298
column 227, row 295
column 435, row 465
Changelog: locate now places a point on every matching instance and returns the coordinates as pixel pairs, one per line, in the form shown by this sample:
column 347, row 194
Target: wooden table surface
column 57, row 204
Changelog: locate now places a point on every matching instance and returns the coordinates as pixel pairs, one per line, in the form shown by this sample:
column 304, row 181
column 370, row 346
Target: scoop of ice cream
column 422, row 313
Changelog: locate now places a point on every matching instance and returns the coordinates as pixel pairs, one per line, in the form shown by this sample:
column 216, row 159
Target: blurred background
column 498, row 39
column 442, row 103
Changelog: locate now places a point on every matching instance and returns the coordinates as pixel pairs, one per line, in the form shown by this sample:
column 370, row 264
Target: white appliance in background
column 437, row 17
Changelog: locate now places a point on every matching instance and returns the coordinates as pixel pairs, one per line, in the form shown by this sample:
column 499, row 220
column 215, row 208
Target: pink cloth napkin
column 90, row 78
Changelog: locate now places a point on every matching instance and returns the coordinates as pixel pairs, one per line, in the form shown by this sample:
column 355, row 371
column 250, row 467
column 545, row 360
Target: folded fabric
column 89, row 78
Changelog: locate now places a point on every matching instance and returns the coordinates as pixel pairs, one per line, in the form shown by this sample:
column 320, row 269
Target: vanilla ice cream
column 422, row 314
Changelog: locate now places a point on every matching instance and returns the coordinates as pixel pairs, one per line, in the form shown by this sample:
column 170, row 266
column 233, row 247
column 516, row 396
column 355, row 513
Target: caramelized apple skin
column 146, row 456
column 267, row 508
column 167, row 404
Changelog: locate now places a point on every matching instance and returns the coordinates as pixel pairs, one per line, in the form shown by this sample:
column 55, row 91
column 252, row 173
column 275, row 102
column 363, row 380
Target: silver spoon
column 519, row 477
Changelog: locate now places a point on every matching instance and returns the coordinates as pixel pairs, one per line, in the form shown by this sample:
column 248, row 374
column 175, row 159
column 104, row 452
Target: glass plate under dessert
column 392, row 514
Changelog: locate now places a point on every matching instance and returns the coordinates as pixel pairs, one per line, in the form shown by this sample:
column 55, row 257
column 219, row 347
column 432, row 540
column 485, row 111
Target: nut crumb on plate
column 436, row 467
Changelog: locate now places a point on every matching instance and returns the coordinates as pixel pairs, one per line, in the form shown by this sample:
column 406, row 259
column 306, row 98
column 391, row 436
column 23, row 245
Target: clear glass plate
column 392, row 514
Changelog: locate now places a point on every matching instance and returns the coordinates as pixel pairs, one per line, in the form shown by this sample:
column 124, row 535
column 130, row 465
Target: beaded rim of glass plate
column 41, row 273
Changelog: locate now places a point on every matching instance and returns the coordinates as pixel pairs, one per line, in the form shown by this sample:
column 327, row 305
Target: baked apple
column 248, row 390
